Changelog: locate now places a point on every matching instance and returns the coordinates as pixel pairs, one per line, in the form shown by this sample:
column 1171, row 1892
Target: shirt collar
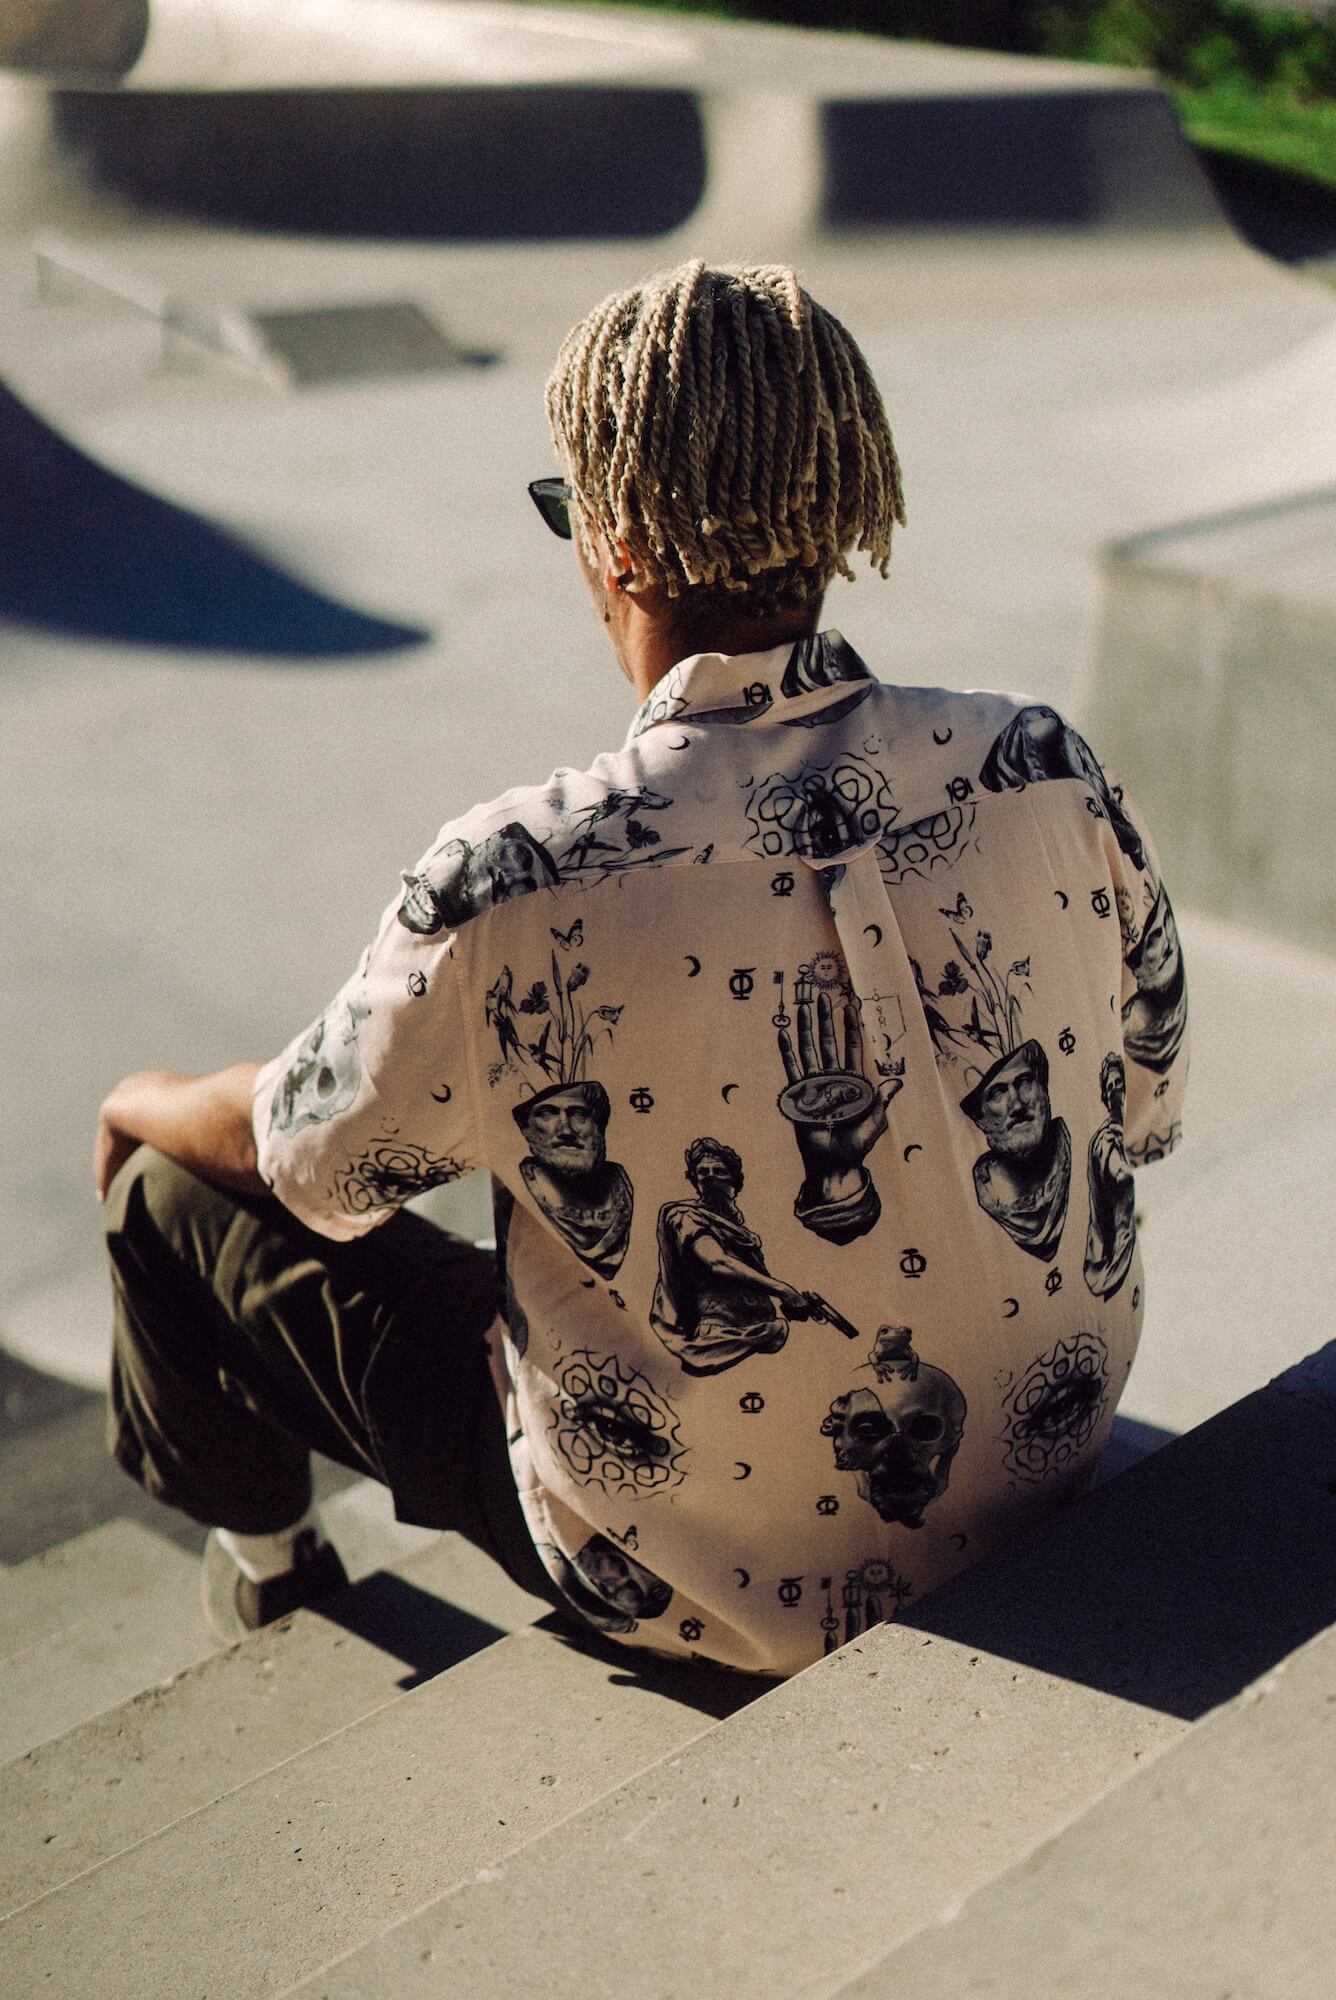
column 743, row 687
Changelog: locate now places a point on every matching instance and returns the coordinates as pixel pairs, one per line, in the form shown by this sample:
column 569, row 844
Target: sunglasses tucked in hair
column 552, row 498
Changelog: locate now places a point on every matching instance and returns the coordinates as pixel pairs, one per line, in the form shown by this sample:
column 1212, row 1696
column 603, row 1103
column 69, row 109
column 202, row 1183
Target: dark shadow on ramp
column 509, row 163
column 86, row 552
column 1284, row 215
column 1024, row 160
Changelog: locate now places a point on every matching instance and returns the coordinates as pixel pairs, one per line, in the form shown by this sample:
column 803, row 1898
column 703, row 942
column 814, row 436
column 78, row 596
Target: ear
column 619, row 568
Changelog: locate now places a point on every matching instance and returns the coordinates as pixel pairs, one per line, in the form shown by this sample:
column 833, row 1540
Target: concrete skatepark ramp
column 413, row 118
column 1074, row 347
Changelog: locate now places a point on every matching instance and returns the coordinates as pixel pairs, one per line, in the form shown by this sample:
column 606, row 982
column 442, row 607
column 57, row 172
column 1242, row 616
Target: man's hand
column 202, row 1122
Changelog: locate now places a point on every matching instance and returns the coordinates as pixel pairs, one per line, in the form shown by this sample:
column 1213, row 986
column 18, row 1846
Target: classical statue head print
column 1023, row 1179
column 459, row 880
column 586, row 1197
column 1155, row 1018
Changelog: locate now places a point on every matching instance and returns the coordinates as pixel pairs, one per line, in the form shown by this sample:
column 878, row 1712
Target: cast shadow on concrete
column 85, row 552
column 1284, row 215
column 1179, row 1583
column 504, row 163
column 413, row 1625
column 428, row 1635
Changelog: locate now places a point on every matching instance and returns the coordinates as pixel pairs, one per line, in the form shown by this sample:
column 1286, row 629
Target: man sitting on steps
column 812, row 928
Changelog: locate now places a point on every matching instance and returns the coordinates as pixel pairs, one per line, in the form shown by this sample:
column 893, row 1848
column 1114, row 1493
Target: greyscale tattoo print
column 614, row 1429
column 715, row 1303
column 1052, row 1412
column 900, row 1438
column 793, row 1319
column 1113, row 1232
column 836, row 1113
column 586, row 1197
column 1024, row 1178
column 1037, row 745
column 1155, row 1018
column 610, row 1589
column 578, row 844
column 325, row 1074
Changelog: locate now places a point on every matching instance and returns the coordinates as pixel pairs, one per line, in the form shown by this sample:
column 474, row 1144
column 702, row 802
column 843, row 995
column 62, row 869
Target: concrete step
column 81, row 1578
column 90, row 1624
column 868, row 1798
column 1208, row 1875
column 309, row 1860
column 94, row 1622
column 73, row 1803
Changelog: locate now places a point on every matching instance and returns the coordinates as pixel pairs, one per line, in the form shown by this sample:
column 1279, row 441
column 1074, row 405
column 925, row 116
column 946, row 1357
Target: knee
column 153, row 1200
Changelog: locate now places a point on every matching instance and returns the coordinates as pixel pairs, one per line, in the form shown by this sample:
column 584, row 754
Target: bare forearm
column 202, row 1122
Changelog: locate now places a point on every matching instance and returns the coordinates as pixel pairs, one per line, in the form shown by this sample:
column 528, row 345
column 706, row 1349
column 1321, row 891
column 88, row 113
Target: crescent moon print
column 915, row 1148
column 443, row 1095
column 1062, row 897
column 743, row 1471
column 873, row 927
column 694, row 963
column 942, row 741
column 1013, row 1306
column 685, row 744
column 959, row 1541
column 727, row 1092
column 743, row 1575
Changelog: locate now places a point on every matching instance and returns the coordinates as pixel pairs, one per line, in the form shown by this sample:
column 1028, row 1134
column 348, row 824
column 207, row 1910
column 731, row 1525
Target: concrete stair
column 865, row 1801
column 73, row 1802
column 1224, row 1846
column 552, row 1817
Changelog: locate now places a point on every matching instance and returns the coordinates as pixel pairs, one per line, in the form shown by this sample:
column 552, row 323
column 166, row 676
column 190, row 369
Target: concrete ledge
column 317, row 1855
column 1208, row 1875
column 868, row 1797
column 1211, row 689
column 75, row 1802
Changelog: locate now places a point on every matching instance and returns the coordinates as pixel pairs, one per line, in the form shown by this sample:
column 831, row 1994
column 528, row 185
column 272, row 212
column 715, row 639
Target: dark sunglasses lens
column 550, row 499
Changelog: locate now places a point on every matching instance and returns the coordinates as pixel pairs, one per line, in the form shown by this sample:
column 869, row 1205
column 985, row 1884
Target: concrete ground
column 201, row 843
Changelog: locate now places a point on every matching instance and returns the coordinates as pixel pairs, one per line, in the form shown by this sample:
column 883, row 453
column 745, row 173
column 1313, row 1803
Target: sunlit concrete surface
column 200, row 844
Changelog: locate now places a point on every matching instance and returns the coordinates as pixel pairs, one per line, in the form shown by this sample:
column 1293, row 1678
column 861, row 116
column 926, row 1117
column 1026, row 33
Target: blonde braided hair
column 726, row 429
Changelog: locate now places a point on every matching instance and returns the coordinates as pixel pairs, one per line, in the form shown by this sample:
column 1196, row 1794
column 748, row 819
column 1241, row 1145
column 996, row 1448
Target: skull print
column 900, row 1438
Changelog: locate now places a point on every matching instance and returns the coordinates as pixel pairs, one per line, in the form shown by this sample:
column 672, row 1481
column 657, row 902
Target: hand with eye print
column 837, row 1115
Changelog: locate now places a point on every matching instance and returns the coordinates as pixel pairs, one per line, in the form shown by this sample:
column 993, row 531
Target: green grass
column 1271, row 126
column 1273, row 123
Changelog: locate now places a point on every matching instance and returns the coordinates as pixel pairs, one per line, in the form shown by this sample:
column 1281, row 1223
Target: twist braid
column 727, row 430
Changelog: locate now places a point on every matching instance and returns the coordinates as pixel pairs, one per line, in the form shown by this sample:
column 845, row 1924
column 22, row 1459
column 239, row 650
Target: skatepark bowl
column 280, row 285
